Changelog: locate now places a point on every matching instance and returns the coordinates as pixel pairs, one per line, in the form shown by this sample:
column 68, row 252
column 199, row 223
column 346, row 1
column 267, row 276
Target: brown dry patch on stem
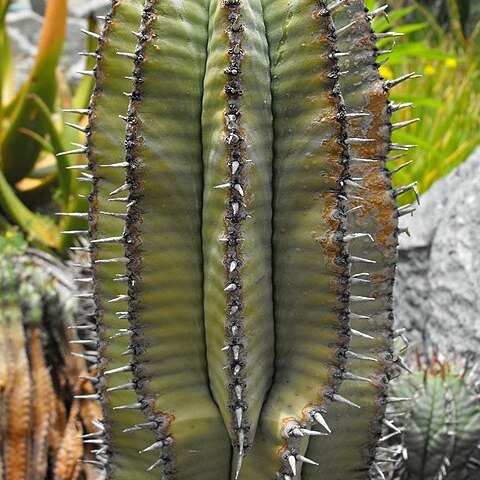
column 378, row 195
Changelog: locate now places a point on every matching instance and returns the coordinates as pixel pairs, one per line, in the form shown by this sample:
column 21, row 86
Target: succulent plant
column 33, row 180
column 242, row 232
column 438, row 434
column 41, row 424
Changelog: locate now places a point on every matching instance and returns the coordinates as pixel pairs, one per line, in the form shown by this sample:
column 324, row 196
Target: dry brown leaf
column 18, row 404
column 71, row 448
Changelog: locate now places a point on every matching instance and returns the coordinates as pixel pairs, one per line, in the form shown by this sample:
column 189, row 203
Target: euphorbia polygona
column 243, row 232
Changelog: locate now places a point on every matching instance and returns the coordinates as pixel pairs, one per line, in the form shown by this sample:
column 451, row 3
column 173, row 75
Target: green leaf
column 18, row 153
column 32, row 224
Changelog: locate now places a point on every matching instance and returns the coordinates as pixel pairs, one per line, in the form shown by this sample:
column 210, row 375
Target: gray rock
column 437, row 292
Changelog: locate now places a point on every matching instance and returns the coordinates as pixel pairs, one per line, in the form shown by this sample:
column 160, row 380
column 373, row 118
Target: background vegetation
column 441, row 41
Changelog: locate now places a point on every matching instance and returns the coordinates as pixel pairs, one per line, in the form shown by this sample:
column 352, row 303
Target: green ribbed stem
column 247, row 282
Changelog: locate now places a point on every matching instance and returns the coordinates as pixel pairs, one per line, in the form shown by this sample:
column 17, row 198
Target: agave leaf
column 18, row 153
column 34, row 225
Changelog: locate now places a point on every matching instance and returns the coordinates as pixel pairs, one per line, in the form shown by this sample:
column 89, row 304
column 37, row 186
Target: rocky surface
column 438, row 285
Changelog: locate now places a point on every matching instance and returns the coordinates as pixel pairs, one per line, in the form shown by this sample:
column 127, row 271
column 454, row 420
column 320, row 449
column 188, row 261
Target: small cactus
column 44, row 401
column 438, row 435
column 243, row 231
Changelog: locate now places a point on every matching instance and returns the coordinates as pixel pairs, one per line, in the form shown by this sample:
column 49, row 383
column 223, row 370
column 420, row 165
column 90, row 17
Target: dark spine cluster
column 156, row 422
column 236, row 214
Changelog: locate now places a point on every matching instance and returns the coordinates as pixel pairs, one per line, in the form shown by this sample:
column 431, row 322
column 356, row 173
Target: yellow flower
column 429, row 70
column 386, row 72
column 451, row 63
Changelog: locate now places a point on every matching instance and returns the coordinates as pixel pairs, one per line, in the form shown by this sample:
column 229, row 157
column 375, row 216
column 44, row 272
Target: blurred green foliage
column 34, row 181
column 447, row 98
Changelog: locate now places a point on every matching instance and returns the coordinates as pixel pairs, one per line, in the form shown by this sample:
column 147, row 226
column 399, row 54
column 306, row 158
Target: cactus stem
column 94, row 35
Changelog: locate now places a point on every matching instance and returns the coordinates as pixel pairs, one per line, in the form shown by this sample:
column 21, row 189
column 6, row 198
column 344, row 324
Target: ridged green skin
column 105, row 148
column 441, row 428
column 364, row 90
column 253, row 254
column 239, row 269
column 308, row 167
column 166, row 251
